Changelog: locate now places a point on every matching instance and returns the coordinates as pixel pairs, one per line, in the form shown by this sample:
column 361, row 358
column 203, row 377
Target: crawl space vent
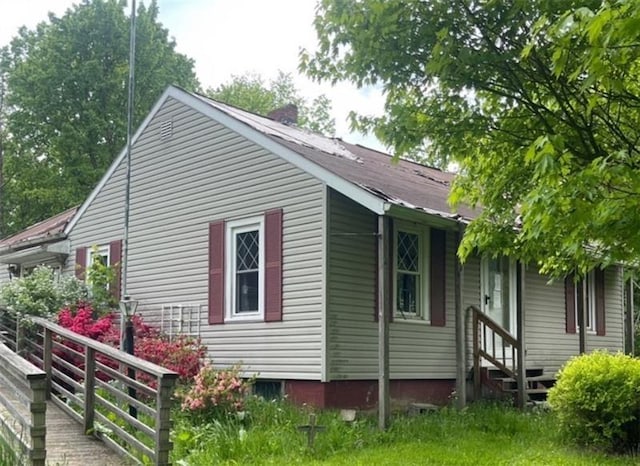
column 166, row 129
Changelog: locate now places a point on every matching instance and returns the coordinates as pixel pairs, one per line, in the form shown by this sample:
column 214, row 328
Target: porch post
column 582, row 334
column 461, row 353
column 629, row 321
column 383, row 324
column 520, row 315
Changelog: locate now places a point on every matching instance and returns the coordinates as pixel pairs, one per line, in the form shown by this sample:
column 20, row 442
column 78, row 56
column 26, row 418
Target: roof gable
column 368, row 177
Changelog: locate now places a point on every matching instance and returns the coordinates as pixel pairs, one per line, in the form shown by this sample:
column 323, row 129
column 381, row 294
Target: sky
column 231, row 37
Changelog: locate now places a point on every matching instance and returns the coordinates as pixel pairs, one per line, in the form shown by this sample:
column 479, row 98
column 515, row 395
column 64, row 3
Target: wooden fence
column 119, row 398
column 22, row 407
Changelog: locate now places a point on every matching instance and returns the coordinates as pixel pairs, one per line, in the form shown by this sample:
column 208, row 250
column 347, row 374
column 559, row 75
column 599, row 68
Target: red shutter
column 115, row 261
column 570, row 304
column 437, row 277
column 273, row 266
column 81, row 263
column 600, row 315
column 216, row 272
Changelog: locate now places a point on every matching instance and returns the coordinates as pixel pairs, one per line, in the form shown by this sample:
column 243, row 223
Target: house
column 42, row 243
column 280, row 248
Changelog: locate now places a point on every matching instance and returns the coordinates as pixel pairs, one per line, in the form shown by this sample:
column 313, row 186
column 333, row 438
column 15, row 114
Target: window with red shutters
column 245, row 269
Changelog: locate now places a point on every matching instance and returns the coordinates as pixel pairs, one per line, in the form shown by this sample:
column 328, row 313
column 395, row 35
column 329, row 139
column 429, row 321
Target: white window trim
column 232, row 228
column 424, row 311
column 589, row 282
column 103, row 250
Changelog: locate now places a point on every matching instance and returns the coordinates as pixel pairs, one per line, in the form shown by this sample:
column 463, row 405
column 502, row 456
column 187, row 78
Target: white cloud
column 231, row 37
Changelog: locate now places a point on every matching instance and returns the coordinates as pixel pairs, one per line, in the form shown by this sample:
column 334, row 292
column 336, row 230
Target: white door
column 499, row 301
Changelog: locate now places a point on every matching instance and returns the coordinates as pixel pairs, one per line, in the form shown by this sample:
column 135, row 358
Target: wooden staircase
column 499, row 366
column 537, row 384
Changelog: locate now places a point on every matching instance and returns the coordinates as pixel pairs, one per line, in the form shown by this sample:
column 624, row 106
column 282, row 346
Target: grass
column 482, row 434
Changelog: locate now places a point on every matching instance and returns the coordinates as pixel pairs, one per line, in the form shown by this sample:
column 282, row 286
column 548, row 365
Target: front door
column 499, row 299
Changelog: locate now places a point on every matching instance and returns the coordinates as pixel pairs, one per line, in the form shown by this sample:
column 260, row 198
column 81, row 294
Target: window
column 100, row 254
column 108, row 254
column 245, row 269
column 410, row 283
column 588, row 295
column 585, row 298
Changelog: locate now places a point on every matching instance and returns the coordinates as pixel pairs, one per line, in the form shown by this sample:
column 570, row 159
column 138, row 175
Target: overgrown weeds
column 267, row 433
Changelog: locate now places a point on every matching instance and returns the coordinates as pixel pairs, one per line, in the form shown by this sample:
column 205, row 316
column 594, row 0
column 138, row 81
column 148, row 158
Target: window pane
column 247, row 247
column 247, row 291
column 407, row 289
column 408, row 251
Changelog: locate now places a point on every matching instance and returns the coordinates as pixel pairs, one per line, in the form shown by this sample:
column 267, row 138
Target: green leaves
column 536, row 102
column 251, row 93
column 67, row 97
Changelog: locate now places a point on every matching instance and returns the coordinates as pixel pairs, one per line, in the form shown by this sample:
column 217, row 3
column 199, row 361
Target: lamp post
column 128, row 308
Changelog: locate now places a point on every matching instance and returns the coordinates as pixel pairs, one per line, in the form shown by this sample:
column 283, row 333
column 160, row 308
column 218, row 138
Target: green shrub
column 41, row 294
column 597, row 401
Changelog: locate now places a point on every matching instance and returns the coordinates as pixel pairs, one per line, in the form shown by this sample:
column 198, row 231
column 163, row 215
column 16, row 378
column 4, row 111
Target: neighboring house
column 268, row 235
column 43, row 243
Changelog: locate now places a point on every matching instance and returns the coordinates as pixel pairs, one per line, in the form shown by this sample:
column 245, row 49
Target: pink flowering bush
column 215, row 393
column 183, row 355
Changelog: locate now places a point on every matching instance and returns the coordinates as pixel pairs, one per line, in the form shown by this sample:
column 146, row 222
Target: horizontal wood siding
column 206, row 172
column 548, row 344
column 417, row 350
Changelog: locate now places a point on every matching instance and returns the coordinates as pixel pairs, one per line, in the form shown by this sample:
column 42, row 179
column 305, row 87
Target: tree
column 251, row 93
column 537, row 101
column 67, row 100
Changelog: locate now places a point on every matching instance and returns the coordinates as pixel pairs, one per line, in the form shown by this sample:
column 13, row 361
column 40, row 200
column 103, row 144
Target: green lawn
column 482, row 434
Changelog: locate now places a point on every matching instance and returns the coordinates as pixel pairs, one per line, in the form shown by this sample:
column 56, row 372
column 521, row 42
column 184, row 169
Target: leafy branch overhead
column 250, row 92
column 64, row 113
column 536, row 101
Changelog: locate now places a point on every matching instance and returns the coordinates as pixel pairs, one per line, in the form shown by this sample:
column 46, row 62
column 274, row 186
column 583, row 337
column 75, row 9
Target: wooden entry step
column 537, row 383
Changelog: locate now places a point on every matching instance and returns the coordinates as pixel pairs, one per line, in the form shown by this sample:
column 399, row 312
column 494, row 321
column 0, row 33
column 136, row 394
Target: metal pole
column 131, row 372
column 124, row 265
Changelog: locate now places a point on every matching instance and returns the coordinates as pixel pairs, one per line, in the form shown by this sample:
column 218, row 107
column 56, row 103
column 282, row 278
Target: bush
column 40, row 294
column 597, row 401
column 183, row 355
column 215, row 393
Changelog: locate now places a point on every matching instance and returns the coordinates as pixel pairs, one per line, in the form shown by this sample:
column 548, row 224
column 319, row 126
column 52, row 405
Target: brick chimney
column 287, row 115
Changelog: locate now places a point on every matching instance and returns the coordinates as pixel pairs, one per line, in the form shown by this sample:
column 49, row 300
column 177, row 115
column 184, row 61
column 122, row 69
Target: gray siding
column 206, row 172
column 548, row 345
column 417, row 350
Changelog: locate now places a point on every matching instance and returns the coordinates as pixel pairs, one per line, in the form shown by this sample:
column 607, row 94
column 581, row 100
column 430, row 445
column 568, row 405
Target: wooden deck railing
column 22, row 413
column 494, row 344
column 90, row 381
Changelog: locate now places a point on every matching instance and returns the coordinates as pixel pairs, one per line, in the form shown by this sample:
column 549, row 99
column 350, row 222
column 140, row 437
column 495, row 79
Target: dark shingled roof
column 41, row 232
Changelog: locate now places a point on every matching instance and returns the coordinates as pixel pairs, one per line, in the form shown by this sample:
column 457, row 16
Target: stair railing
column 494, row 344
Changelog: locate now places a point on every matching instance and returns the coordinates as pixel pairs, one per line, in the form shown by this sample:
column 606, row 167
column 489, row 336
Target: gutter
column 33, row 242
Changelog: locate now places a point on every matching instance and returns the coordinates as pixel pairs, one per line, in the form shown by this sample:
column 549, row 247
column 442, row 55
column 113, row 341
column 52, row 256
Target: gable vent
column 166, row 129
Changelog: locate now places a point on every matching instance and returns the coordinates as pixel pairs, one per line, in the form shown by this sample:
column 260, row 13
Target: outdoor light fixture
column 128, row 309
